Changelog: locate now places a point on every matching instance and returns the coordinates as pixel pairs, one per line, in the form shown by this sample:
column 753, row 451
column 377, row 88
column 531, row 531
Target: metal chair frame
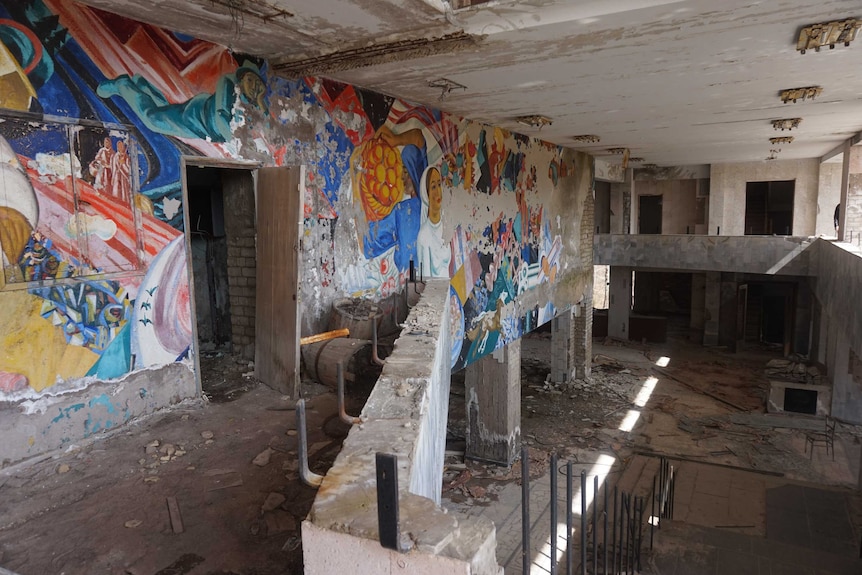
column 825, row 437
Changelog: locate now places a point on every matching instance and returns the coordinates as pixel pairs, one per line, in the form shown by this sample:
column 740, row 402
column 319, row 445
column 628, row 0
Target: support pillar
column 620, row 302
column 572, row 343
column 851, row 196
column 493, row 386
column 712, row 306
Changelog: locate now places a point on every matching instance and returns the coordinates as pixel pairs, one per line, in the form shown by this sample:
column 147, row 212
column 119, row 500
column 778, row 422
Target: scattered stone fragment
column 64, row 468
column 179, row 452
column 273, row 501
column 290, row 465
column 150, row 479
column 165, row 458
column 291, row 432
column 207, row 434
column 132, row 523
column 168, row 449
column 262, row 458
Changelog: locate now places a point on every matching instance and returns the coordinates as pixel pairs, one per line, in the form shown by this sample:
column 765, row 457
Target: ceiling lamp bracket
column 534, row 121
column 793, row 94
column 828, row 34
column 786, row 123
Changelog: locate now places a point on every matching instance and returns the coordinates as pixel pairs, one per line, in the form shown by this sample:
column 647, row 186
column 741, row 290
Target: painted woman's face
column 435, row 195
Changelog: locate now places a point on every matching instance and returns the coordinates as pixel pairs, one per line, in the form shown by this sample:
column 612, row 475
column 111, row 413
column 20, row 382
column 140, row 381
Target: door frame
column 202, row 162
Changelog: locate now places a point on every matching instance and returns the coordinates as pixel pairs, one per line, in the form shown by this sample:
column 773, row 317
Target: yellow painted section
column 15, row 88
column 35, row 348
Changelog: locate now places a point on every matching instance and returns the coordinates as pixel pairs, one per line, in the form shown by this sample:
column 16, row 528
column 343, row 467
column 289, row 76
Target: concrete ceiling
column 678, row 82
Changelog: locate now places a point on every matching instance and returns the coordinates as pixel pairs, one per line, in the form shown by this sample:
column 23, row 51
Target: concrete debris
column 168, row 449
column 132, row 523
column 795, row 371
column 207, row 434
column 63, row 468
column 273, row 501
column 262, row 459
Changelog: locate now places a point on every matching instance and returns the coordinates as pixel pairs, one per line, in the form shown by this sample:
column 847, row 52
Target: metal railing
column 611, row 537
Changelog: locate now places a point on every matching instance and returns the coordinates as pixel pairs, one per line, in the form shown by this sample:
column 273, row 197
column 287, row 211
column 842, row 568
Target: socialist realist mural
column 97, row 111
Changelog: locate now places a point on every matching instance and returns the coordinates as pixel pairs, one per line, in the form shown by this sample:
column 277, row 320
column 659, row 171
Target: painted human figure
column 204, row 116
column 100, row 167
column 121, row 173
column 433, row 250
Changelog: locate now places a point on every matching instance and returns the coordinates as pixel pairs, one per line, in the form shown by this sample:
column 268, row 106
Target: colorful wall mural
column 96, row 113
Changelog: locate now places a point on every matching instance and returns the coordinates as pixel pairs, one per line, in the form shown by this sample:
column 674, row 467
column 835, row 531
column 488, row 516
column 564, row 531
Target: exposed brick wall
column 241, row 258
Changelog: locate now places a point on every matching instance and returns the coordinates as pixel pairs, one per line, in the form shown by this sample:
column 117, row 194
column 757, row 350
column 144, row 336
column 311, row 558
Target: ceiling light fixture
column 781, row 140
column 793, row 94
column 649, row 166
column 445, row 86
column 786, row 123
column 534, row 121
column 636, row 159
column 828, row 34
column 617, row 151
column 587, row 138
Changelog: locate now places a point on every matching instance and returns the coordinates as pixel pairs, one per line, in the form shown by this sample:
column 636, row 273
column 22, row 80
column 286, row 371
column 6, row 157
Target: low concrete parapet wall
column 770, row 255
column 406, row 416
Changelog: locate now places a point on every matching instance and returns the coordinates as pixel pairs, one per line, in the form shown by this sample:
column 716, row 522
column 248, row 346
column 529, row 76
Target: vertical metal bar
column 623, row 527
column 570, row 499
column 605, row 531
column 525, row 511
column 672, row 491
column 614, row 536
column 640, row 533
column 553, row 514
column 652, row 515
column 583, row 522
column 305, row 474
column 595, row 523
column 387, row 500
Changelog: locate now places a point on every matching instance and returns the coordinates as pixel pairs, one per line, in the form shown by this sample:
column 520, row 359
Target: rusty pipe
column 342, row 413
column 374, row 357
column 305, row 474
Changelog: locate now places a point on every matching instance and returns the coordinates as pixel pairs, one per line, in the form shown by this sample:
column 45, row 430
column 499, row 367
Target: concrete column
column 851, row 197
column 561, row 340
column 493, row 386
column 712, row 306
column 620, row 302
column 572, row 343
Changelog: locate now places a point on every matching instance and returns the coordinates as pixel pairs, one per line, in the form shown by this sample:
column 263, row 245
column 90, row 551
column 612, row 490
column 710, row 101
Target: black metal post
column 553, row 514
column 605, row 532
column 614, row 537
column 652, row 515
column 595, row 523
column 583, row 522
column 570, row 498
column 525, row 510
column 387, row 500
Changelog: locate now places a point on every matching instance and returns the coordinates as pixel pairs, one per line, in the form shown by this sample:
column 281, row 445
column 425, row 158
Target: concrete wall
column 727, row 193
column 406, row 416
column 95, row 267
column 839, row 279
column 679, row 203
column 828, row 197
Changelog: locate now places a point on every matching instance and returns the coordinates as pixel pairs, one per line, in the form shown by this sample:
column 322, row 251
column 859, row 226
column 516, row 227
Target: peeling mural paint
column 100, row 110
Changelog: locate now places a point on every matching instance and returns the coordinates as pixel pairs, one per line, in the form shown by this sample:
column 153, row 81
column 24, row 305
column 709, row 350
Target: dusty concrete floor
column 102, row 507
column 705, row 410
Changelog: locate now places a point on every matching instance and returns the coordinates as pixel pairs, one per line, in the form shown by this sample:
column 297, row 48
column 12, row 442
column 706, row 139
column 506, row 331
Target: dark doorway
column 603, row 207
column 769, row 208
column 649, row 214
column 800, row 400
column 221, row 230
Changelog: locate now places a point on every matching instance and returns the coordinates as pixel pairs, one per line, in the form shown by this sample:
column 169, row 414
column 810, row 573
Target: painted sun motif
column 381, row 178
